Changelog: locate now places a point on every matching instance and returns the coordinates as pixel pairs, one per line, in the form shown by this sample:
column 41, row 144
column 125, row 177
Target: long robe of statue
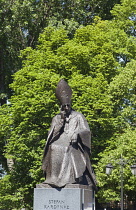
column 66, row 157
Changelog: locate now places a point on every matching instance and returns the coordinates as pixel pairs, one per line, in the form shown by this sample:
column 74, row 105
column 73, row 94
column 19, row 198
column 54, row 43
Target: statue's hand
column 63, row 115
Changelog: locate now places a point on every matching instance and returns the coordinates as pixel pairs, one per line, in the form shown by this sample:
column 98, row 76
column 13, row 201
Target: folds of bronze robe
column 64, row 161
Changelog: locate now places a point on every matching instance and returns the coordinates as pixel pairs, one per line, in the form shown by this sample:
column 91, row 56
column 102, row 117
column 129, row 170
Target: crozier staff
column 66, row 157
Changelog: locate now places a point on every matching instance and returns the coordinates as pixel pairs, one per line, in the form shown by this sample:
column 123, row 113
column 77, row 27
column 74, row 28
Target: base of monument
column 72, row 197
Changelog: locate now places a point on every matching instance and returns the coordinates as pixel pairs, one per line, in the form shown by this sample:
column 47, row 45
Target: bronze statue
column 66, row 157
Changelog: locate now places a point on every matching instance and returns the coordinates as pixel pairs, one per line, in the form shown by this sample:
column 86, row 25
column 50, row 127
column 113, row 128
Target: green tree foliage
column 123, row 92
column 122, row 144
column 21, row 21
column 90, row 62
column 123, row 89
column 93, row 60
column 125, row 15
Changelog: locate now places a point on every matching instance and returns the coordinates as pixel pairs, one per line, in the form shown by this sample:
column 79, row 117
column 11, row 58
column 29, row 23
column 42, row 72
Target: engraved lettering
column 46, row 206
column 56, row 204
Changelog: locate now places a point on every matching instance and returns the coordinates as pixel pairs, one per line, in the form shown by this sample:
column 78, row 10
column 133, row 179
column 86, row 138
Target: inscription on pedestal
column 63, row 199
column 56, row 204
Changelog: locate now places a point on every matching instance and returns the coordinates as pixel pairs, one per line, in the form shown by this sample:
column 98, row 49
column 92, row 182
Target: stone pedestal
column 72, row 197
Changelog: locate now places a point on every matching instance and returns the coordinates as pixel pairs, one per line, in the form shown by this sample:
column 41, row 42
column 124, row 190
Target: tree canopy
column 21, row 21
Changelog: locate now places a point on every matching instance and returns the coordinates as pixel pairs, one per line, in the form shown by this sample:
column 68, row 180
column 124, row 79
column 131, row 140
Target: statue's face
column 66, row 108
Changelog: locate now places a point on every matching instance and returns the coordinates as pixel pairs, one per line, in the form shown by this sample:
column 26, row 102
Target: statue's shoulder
column 77, row 114
column 80, row 116
column 57, row 117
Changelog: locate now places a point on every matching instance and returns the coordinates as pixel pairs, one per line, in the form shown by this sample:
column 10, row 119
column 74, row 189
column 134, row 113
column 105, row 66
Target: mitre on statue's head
column 63, row 92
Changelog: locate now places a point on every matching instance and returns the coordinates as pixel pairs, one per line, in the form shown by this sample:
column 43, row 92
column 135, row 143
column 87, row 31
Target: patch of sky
column 25, row 32
column 2, row 172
